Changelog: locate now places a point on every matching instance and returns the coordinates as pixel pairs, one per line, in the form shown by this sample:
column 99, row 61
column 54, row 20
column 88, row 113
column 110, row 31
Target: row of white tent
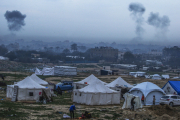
column 154, row 77
column 138, row 73
column 92, row 91
column 57, row 71
column 91, row 79
column 157, row 77
column 30, row 89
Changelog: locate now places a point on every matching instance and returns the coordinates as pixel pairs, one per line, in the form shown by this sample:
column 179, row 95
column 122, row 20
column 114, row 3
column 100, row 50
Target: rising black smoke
column 157, row 21
column 15, row 20
column 137, row 11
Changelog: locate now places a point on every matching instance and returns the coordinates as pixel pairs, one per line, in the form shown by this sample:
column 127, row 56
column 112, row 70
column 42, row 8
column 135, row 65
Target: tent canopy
column 127, row 101
column 156, row 75
column 97, row 87
column 38, row 80
column 175, row 85
column 91, row 79
column 165, row 76
column 120, row 82
column 38, row 72
column 47, row 71
column 29, row 83
column 146, row 88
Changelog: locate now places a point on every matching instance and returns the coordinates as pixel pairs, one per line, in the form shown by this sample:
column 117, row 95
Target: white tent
column 96, row 94
column 156, row 77
column 58, row 71
column 147, row 76
column 38, row 72
column 47, row 71
column 38, row 80
column 138, row 73
column 65, row 70
column 87, row 81
column 118, row 82
column 127, row 101
column 28, row 89
column 165, row 76
column 147, row 89
column 10, row 91
column 42, row 82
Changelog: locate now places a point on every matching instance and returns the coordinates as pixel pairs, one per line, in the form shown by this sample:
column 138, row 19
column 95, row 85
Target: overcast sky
column 90, row 20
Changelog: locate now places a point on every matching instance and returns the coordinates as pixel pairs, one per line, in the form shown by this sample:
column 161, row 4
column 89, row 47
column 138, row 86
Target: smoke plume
column 157, row 21
column 137, row 11
column 15, row 20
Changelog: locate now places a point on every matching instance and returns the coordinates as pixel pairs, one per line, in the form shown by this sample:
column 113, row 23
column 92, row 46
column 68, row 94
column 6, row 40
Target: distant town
column 150, row 57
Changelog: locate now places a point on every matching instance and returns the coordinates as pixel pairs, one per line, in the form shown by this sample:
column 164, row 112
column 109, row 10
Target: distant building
column 125, row 50
column 120, row 55
column 106, row 71
column 41, row 60
column 107, row 53
column 149, row 62
column 138, row 51
column 35, row 55
column 155, row 53
column 75, row 57
column 124, row 66
column 13, row 46
column 106, row 68
column 81, row 48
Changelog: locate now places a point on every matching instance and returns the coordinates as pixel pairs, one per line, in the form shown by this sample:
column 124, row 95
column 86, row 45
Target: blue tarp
column 175, row 85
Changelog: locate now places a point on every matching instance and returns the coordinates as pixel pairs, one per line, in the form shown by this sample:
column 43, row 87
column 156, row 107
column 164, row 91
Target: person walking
column 59, row 90
column 154, row 99
column 142, row 99
column 132, row 103
column 71, row 110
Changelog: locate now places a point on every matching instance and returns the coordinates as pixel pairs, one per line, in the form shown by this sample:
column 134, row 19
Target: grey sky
column 107, row 20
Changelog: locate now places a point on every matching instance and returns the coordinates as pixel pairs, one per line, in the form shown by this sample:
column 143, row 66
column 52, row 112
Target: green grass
column 64, row 99
column 11, row 109
column 56, row 80
column 47, row 116
column 14, row 105
column 115, row 116
column 107, row 117
column 12, row 114
column 17, row 76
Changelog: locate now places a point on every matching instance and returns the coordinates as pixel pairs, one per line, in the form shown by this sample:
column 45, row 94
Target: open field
column 60, row 105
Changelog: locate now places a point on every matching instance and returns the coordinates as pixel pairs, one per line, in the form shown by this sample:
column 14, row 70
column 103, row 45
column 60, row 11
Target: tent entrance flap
column 14, row 98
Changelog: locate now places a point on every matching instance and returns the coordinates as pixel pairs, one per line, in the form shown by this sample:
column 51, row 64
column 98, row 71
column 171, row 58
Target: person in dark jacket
column 142, row 99
column 132, row 103
column 71, row 110
column 59, row 90
column 154, row 100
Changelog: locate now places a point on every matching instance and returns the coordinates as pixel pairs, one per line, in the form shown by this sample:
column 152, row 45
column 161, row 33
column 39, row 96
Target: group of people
column 83, row 116
column 72, row 108
column 142, row 100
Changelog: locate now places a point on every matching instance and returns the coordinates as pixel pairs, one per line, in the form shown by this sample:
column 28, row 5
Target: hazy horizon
column 93, row 21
